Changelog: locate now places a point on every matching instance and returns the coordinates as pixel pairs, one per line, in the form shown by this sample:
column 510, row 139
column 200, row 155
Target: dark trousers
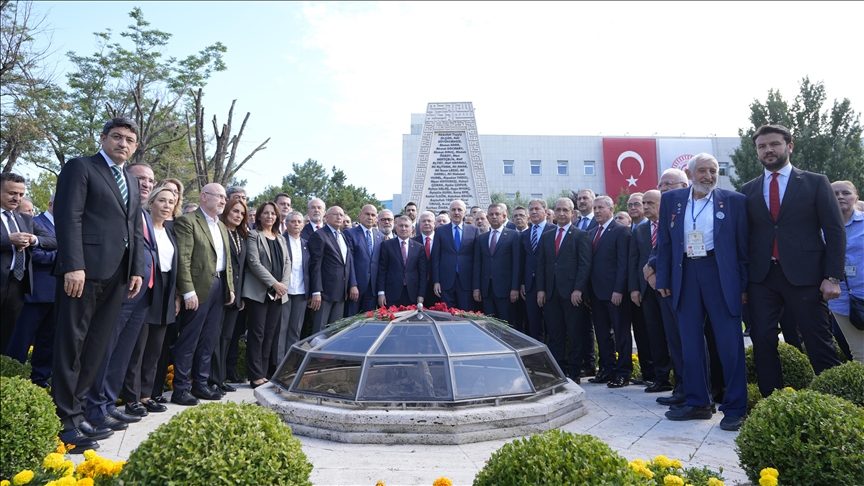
column 701, row 296
column 365, row 302
column 218, row 365
column 11, row 303
column 105, row 390
column 458, row 297
column 330, row 311
column 35, row 327
column 499, row 308
column 520, row 316
column 656, row 336
column 430, row 299
column 234, row 346
column 613, row 335
column 199, row 331
column 563, row 325
column 643, row 343
column 141, row 374
column 289, row 326
column 767, row 299
column 673, row 339
column 262, row 322
column 84, row 328
column 588, row 358
column 535, row 314
column 166, row 358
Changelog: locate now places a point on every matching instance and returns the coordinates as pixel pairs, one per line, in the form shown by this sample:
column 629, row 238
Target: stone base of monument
column 418, row 424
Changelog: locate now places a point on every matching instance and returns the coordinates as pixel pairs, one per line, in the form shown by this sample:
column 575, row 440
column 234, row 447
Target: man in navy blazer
column 563, row 267
column 426, row 237
column 365, row 243
column 703, row 230
column 798, row 249
column 402, row 278
column 497, row 263
column 36, row 322
column 315, row 210
column 453, row 259
column 530, row 249
column 331, row 271
column 608, row 284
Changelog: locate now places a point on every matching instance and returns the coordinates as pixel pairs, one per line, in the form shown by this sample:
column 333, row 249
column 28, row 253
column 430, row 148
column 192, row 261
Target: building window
column 589, row 167
column 724, row 168
column 510, row 195
column 509, row 168
column 536, row 196
column 562, row 167
column 535, row 167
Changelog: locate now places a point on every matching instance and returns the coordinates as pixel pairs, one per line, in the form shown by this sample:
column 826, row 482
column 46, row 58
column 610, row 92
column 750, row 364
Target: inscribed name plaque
column 449, row 164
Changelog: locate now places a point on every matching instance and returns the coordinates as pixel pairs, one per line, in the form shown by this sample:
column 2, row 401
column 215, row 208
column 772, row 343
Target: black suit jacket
column 640, row 251
column 305, row 245
column 238, row 267
column 25, row 224
column 41, row 280
column 808, row 211
column 529, row 257
column 499, row 272
column 392, row 272
column 93, row 224
column 307, row 231
column 328, row 272
column 609, row 271
column 161, row 311
column 570, row 268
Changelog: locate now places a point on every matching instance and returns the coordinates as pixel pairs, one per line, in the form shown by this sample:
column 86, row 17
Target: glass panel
column 464, row 337
column 410, row 339
column 511, row 337
column 440, row 316
column 356, row 340
column 330, row 375
column 318, row 339
column 489, row 376
column 287, row 370
column 542, row 370
column 406, row 379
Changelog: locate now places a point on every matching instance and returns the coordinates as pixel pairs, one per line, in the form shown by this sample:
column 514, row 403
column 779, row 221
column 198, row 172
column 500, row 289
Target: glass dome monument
column 420, row 377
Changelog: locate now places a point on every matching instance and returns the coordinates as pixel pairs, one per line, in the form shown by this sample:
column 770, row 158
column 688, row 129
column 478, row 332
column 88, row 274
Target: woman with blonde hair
column 177, row 188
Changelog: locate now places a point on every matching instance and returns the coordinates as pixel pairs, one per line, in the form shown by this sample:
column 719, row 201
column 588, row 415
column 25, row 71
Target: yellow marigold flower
column 714, row 482
column 118, row 467
column 789, row 388
column 662, row 461
column 61, row 449
column 22, row 477
column 638, row 462
column 49, row 483
column 89, row 454
column 677, row 464
column 53, row 461
column 672, row 480
column 645, row 472
column 380, row 483
column 84, row 482
column 5, row 482
column 69, row 468
column 442, row 482
column 66, row 481
column 104, row 468
column 767, row 481
column 770, row 471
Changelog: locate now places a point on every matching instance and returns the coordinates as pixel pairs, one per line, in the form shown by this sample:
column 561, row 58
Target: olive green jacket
column 196, row 260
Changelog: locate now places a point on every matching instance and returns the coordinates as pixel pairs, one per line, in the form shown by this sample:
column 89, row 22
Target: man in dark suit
column 530, row 251
column 453, row 259
column 636, row 214
column 315, row 210
column 798, row 249
column 703, row 230
column 402, row 270
column 35, row 324
column 103, row 394
column 298, row 288
column 608, row 285
column 283, row 202
column 585, row 209
column 645, row 298
column 331, row 271
column 205, row 281
column 99, row 261
column 563, row 267
column 426, row 237
column 497, row 263
column 365, row 243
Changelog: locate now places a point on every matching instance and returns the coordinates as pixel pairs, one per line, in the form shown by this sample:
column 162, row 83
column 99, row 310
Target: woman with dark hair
column 177, row 188
column 235, row 217
column 265, row 289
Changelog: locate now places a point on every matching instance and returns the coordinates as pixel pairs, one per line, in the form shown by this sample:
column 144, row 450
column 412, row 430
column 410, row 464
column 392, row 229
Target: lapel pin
column 720, row 203
column 720, row 215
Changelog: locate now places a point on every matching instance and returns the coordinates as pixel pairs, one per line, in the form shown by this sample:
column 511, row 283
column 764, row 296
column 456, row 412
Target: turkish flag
column 629, row 164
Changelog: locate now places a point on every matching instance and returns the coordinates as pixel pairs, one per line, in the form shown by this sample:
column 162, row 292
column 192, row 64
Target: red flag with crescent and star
column 630, row 164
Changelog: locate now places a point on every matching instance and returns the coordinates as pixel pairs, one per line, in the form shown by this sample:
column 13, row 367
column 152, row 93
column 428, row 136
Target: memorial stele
column 449, row 163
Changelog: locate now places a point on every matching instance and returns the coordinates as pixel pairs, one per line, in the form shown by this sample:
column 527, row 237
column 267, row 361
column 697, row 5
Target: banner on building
column 630, row 164
column 676, row 152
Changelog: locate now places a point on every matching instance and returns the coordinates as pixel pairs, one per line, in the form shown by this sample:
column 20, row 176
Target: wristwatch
column 835, row 281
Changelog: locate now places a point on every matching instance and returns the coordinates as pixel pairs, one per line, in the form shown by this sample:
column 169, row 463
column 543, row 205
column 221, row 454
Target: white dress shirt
column 165, row 249
column 704, row 220
column 296, row 286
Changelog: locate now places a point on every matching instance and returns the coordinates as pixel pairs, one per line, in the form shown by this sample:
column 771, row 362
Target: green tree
column 41, row 189
column 621, row 201
column 826, row 141
column 500, row 197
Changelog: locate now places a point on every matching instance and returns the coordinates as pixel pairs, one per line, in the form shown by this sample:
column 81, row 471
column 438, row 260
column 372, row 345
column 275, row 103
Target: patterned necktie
column 18, row 269
column 653, row 235
column 493, row 241
column 121, row 183
column 428, row 247
column 535, row 237
column 774, row 199
column 404, row 252
column 369, row 242
column 558, row 239
column 597, row 238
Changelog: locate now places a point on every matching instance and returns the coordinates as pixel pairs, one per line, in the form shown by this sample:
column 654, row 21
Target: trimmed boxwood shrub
column 10, row 367
column 846, row 380
column 28, row 426
column 557, row 457
column 240, row 367
column 219, row 443
column 811, row 438
column 797, row 371
column 753, row 395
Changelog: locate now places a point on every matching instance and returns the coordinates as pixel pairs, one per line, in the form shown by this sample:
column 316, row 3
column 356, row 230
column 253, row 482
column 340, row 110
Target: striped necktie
column 535, row 237
column 121, row 183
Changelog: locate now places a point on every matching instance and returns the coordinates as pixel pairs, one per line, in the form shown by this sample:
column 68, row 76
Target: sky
column 337, row 82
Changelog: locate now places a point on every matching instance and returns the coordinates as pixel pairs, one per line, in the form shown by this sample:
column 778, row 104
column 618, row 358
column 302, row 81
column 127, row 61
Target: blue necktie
column 369, row 241
column 535, row 237
column 458, row 238
column 584, row 224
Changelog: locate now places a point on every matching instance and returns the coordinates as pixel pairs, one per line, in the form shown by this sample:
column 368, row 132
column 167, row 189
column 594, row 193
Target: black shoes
column 688, row 412
column 111, row 423
column 95, row 432
column 600, row 379
column 640, row 381
column 216, row 390
column 659, row 386
column 159, row 399
column 205, row 393
column 586, row 372
column 154, row 407
column 225, row 387
column 136, row 409
column 732, row 422
column 618, row 382
column 233, row 378
column 123, row 417
column 183, row 398
column 77, row 438
column 675, row 399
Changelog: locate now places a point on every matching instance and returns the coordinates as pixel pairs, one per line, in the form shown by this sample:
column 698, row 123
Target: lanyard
column 693, row 212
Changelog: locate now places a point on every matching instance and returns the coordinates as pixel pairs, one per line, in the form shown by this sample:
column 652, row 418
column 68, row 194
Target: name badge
column 696, row 244
column 851, row 270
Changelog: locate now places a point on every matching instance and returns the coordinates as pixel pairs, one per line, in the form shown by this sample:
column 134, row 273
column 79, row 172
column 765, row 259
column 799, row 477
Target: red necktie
column 558, row 239
column 428, row 248
column 774, row 200
column 597, row 238
column 653, row 235
column 404, row 253
column 493, row 242
column 147, row 237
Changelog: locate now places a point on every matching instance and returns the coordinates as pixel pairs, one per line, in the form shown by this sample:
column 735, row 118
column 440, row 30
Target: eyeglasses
column 117, row 137
column 634, row 204
column 146, row 179
column 241, row 197
column 220, row 197
column 670, row 184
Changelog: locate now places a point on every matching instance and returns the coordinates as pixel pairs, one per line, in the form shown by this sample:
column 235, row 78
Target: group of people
column 117, row 280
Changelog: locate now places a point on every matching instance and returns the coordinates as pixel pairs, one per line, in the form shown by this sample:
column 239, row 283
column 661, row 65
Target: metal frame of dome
column 419, row 358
